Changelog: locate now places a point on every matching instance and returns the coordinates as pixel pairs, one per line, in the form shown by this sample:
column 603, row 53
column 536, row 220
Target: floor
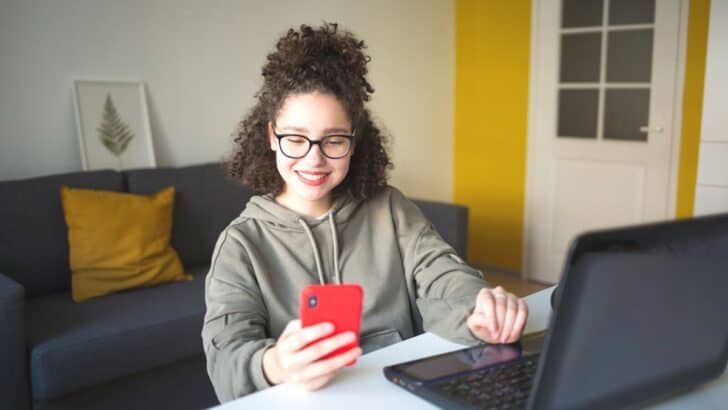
column 513, row 283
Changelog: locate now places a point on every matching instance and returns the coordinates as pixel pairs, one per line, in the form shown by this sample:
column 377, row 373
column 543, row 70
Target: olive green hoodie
column 412, row 280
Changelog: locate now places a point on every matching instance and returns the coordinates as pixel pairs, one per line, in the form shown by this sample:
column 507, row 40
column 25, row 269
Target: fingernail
column 328, row 327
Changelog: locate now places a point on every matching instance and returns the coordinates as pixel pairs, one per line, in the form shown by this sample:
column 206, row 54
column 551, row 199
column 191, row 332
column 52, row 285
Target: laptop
column 639, row 316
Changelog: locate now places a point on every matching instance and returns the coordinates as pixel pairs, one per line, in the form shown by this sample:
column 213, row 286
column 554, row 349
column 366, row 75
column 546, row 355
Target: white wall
column 201, row 64
column 711, row 193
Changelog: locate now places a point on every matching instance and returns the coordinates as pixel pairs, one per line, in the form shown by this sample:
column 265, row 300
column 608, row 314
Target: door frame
column 536, row 50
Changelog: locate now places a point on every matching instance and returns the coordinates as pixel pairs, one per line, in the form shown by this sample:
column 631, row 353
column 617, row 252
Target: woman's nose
column 315, row 156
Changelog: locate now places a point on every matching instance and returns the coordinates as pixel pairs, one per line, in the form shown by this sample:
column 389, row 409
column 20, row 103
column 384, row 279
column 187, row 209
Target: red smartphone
column 337, row 304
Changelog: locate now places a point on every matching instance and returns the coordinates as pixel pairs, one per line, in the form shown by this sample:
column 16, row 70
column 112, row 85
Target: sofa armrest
column 14, row 391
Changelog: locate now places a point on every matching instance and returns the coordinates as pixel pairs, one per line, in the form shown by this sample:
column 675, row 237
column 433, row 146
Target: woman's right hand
column 293, row 360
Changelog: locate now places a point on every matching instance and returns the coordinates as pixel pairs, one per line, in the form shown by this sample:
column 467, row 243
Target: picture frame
column 112, row 121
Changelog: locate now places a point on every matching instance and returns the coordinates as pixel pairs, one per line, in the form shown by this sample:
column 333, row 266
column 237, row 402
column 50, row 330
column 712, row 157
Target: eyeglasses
column 297, row 146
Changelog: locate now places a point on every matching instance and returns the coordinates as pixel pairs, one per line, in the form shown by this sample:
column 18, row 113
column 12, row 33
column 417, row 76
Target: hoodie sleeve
column 446, row 287
column 234, row 331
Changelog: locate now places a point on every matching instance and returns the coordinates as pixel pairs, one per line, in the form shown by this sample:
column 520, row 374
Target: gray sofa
column 134, row 349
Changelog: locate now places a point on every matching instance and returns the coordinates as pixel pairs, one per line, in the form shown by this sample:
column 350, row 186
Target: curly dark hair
column 323, row 60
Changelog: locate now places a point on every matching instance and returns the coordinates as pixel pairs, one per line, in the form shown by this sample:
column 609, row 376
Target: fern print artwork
column 113, row 132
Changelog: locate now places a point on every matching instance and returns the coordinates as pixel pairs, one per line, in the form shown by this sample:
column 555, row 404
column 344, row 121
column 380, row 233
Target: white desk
column 363, row 386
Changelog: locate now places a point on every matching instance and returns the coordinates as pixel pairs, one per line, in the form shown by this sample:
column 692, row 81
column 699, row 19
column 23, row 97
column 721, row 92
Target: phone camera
column 312, row 301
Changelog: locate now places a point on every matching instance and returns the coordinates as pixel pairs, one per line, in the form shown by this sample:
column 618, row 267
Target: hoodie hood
column 264, row 208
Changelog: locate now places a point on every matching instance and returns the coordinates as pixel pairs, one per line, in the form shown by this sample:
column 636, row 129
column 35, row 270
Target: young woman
column 327, row 215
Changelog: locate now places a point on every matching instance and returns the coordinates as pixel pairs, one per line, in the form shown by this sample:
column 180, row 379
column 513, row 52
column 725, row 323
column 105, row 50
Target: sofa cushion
column 34, row 250
column 119, row 241
column 76, row 345
column 205, row 203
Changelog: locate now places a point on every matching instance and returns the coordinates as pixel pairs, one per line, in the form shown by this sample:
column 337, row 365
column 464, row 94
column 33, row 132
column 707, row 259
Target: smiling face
column 310, row 180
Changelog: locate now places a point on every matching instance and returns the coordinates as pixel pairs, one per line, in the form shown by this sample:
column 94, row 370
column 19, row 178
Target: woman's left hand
column 498, row 317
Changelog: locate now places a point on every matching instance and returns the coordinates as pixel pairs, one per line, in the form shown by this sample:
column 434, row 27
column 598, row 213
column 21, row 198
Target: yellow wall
column 491, row 105
column 697, row 44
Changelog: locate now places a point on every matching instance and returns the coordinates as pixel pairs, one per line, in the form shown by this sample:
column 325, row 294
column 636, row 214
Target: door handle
column 648, row 129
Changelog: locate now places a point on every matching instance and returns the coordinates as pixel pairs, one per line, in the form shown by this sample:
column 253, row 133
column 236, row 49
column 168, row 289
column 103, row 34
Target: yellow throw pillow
column 119, row 241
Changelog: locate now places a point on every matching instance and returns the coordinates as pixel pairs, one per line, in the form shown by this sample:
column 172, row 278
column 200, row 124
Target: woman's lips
column 312, row 179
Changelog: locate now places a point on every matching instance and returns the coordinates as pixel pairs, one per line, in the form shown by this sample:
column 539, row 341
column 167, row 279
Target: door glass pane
column 625, row 111
column 578, row 113
column 580, row 57
column 631, row 12
column 581, row 13
column 629, row 56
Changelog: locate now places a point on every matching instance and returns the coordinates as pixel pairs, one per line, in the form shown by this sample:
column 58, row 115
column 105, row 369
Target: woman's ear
column 272, row 137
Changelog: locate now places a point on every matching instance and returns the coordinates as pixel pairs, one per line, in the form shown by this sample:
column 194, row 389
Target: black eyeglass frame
column 311, row 143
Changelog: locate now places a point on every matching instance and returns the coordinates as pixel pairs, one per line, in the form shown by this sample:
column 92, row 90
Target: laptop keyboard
column 501, row 387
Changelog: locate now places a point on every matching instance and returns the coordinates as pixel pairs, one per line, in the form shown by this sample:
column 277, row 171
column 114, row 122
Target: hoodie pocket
column 379, row 339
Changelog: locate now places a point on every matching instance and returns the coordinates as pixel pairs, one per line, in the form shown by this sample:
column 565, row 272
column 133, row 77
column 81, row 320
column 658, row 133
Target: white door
column 602, row 107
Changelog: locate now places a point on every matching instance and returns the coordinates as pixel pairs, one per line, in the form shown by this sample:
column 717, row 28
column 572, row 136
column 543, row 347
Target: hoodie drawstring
column 335, row 239
column 316, row 254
